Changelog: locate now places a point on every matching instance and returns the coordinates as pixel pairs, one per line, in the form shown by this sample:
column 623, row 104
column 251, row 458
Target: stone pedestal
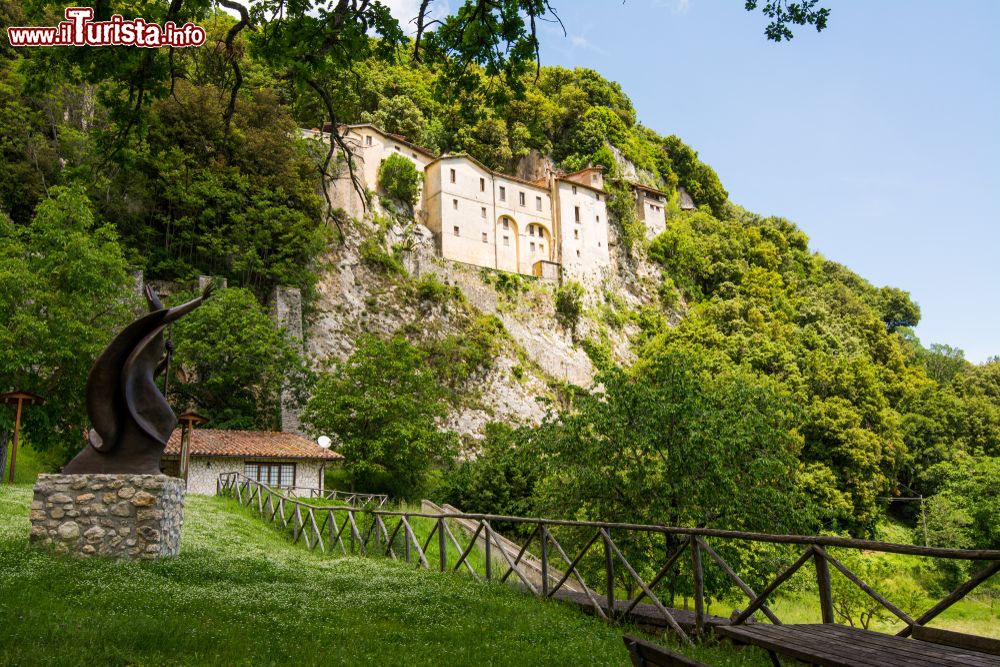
column 116, row 516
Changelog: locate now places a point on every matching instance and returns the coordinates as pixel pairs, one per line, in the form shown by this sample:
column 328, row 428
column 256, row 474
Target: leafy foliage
column 380, row 405
column 400, row 179
column 569, row 304
column 64, row 292
column 232, row 363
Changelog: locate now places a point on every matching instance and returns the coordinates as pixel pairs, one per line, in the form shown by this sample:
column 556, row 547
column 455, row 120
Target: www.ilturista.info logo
column 79, row 30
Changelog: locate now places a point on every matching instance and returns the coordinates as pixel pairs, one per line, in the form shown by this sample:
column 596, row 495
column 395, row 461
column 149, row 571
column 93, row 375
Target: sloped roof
column 253, row 444
column 395, row 137
column 496, row 174
column 648, row 188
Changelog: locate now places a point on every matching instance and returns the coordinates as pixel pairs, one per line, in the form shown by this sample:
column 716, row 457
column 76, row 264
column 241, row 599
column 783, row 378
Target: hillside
column 241, row 594
column 787, row 380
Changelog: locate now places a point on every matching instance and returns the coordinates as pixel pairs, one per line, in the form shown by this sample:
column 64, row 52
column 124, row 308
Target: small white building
column 650, row 205
column 276, row 459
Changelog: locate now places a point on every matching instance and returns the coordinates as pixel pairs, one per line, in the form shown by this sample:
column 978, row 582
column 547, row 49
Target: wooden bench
column 956, row 639
column 647, row 654
column 832, row 645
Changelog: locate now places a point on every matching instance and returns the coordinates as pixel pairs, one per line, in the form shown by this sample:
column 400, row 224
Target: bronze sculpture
column 132, row 420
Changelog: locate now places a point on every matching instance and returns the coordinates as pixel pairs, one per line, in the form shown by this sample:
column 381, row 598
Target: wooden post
column 923, row 521
column 489, row 551
column 545, row 561
column 442, row 545
column 825, row 589
column 609, row 573
column 699, row 587
column 13, row 447
column 18, row 398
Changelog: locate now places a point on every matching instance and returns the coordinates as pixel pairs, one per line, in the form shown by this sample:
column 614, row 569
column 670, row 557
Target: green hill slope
column 240, row 594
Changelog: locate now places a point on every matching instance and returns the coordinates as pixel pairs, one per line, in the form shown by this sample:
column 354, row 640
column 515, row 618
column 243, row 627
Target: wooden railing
column 346, row 497
column 369, row 531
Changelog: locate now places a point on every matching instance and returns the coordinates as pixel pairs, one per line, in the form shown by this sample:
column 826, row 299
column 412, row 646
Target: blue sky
column 879, row 137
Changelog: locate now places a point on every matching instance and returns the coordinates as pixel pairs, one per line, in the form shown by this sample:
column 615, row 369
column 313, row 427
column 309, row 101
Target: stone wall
column 118, row 516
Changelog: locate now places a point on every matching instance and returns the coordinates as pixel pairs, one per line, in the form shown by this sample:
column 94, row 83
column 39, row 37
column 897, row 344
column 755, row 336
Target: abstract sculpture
column 132, row 420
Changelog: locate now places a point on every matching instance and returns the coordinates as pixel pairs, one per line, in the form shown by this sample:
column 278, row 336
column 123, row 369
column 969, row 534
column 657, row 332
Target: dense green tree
column 400, row 179
column 232, row 362
column 381, row 405
column 498, row 477
column 64, row 293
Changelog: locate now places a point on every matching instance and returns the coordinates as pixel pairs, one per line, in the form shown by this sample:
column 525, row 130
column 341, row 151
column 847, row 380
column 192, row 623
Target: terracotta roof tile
column 262, row 444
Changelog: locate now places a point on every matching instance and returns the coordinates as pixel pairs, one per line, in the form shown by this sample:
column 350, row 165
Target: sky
column 879, row 137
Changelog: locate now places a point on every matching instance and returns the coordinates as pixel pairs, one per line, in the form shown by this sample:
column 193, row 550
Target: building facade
column 277, row 459
column 554, row 227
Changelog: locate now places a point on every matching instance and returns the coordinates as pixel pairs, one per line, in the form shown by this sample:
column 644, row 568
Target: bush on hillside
column 400, row 179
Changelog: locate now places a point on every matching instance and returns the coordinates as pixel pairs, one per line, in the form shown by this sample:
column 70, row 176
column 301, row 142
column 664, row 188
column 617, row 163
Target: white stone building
column 276, row 459
column 552, row 227
column 650, row 205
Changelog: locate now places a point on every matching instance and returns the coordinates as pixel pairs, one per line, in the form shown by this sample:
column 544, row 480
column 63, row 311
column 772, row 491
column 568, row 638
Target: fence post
column 489, row 550
column 609, row 572
column 699, row 586
column 442, row 545
column 825, row 589
column 545, row 561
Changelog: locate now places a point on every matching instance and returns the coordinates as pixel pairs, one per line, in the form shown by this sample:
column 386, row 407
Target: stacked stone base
column 113, row 516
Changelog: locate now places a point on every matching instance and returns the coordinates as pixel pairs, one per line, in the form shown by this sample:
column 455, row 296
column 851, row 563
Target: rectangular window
column 598, row 218
column 576, row 233
column 520, row 198
column 532, row 246
column 482, row 185
column 454, row 204
column 455, row 230
column 577, row 253
column 396, row 147
column 368, row 140
column 503, row 193
column 541, row 247
column 506, row 224
column 576, row 213
column 414, row 155
column 598, row 196
column 538, row 203
column 483, row 209
column 485, row 238
column 271, row 474
column 574, row 189
column 594, row 178
column 506, row 240
column 452, row 175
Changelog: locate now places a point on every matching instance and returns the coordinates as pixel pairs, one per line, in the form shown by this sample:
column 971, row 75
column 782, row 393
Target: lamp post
column 19, row 398
column 188, row 421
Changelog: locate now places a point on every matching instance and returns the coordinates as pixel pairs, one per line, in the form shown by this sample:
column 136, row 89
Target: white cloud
column 405, row 11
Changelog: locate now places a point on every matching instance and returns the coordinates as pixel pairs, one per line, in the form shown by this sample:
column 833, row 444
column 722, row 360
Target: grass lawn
column 241, row 594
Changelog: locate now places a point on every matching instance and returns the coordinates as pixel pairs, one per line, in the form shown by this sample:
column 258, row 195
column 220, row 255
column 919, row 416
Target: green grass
column 29, row 464
column 240, row 593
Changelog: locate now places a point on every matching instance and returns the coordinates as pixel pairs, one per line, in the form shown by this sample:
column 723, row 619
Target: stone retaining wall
column 117, row 516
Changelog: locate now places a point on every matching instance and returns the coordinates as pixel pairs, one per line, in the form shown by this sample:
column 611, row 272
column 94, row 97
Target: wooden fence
column 369, row 531
column 346, row 497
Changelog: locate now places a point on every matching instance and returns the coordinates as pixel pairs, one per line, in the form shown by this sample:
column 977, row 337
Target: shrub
column 400, row 179
column 430, row 288
column 599, row 352
column 569, row 304
column 375, row 254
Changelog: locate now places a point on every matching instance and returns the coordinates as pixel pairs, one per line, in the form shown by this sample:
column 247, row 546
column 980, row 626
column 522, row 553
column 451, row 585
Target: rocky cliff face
column 537, row 356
